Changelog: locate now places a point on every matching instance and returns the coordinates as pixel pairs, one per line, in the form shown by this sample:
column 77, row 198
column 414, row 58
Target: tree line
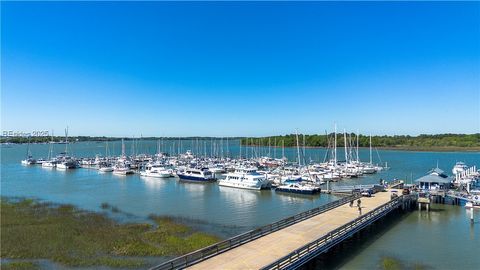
column 46, row 139
column 423, row 140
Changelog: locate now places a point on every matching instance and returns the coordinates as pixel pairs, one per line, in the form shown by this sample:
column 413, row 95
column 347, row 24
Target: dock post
column 419, row 207
column 471, row 216
column 427, row 205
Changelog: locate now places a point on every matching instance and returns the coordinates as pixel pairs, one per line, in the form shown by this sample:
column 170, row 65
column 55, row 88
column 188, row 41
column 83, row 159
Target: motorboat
column 246, row 178
column 459, row 168
column 196, row 175
column 157, row 170
column 122, row 167
column 299, row 188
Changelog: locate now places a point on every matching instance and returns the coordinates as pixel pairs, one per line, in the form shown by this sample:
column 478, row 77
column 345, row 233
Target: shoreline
column 389, row 148
column 396, row 148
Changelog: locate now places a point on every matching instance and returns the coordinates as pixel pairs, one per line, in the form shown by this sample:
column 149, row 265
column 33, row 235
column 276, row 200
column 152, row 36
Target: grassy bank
column 73, row 237
column 391, row 263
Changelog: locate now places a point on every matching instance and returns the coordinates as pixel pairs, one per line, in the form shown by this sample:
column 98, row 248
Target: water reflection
column 240, row 197
column 194, row 187
column 153, row 182
column 295, row 198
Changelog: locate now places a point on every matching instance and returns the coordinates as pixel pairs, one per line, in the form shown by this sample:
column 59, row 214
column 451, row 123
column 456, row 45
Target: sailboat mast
column 123, row 148
column 66, row 141
column 370, row 148
column 335, row 146
column 304, row 149
column 358, row 159
column 298, row 148
column 345, row 146
column 275, row 148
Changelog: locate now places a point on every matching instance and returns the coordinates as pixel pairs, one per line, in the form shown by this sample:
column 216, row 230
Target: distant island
column 423, row 142
column 61, row 139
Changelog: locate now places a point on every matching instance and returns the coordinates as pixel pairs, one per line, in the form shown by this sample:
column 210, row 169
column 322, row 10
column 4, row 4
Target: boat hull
column 122, row 172
column 238, row 185
column 298, row 191
column 190, row 178
column 156, row 175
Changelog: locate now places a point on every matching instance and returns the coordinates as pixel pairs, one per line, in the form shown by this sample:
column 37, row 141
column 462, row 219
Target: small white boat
column 29, row 161
column 106, row 169
column 50, row 164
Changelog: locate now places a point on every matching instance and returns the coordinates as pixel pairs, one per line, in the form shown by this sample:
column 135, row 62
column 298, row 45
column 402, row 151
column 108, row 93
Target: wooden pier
column 293, row 241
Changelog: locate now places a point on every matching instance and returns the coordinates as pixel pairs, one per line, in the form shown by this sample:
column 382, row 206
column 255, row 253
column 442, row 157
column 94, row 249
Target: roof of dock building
column 435, row 176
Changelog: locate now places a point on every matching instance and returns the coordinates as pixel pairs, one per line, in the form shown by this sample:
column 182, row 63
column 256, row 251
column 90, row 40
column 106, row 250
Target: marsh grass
column 73, row 237
column 391, row 263
column 20, row 266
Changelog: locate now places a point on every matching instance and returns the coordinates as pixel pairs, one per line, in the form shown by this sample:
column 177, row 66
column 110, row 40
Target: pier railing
column 313, row 249
column 396, row 183
column 210, row 251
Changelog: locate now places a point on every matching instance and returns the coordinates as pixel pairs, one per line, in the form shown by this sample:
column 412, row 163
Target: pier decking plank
column 269, row 248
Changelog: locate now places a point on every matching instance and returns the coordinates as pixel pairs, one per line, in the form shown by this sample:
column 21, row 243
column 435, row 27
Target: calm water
column 227, row 211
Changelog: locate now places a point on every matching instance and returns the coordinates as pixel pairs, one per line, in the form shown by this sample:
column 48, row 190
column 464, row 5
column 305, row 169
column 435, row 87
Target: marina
column 170, row 193
column 258, row 171
column 336, row 135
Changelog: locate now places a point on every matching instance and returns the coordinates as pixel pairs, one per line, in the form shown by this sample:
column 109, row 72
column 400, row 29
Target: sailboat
column 65, row 161
column 369, row 168
column 29, row 160
column 51, row 162
column 123, row 165
column 105, row 166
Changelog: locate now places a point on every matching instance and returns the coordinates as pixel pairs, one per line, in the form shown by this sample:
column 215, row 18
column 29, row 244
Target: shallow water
column 226, row 211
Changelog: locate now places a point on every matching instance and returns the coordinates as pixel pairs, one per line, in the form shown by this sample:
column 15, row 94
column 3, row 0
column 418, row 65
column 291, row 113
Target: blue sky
column 240, row 69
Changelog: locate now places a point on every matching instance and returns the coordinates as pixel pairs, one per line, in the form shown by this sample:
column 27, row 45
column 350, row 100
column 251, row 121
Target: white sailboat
column 122, row 166
column 29, row 160
column 51, row 162
column 66, row 162
column 105, row 166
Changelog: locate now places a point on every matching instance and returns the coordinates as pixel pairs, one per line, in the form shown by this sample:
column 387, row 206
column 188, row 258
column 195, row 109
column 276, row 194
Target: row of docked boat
column 248, row 173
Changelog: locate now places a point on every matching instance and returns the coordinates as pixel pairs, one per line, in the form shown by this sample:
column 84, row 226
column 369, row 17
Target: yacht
column 157, row 170
column 122, row 167
column 298, row 188
column 196, row 175
column 459, row 168
column 247, row 178
column 217, row 169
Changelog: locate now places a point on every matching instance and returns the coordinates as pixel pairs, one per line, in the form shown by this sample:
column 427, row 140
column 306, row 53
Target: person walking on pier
column 359, row 207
